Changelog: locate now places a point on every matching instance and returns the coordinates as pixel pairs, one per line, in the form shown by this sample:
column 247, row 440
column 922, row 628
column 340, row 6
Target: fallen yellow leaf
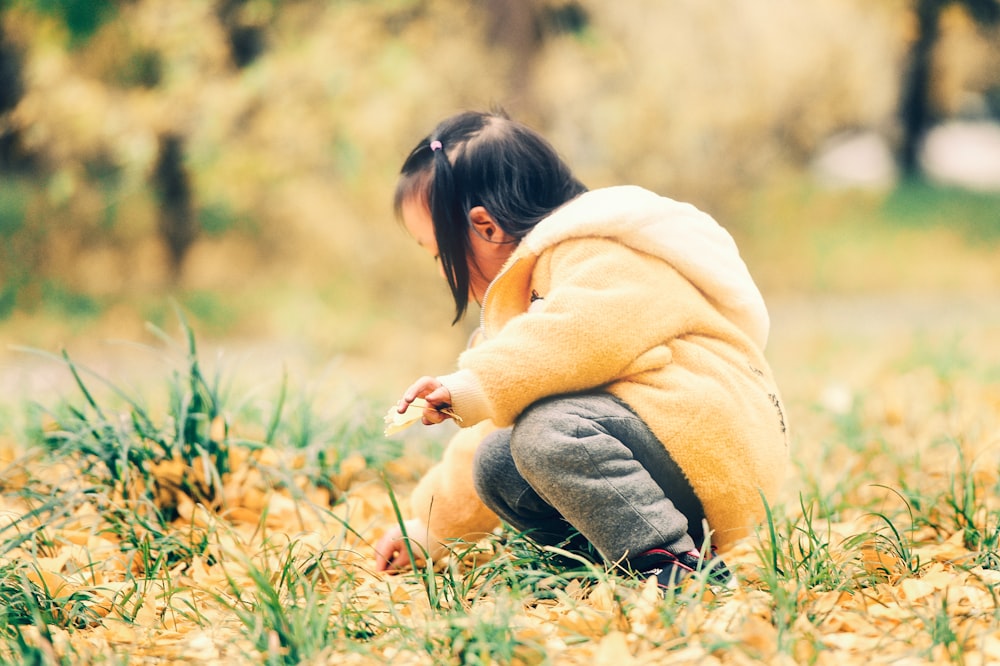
column 396, row 422
column 612, row 650
column 881, row 564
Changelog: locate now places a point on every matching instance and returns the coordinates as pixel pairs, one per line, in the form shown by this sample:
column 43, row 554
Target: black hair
column 482, row 159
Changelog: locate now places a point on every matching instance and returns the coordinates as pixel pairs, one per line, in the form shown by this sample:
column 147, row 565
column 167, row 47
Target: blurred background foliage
column 239, row 155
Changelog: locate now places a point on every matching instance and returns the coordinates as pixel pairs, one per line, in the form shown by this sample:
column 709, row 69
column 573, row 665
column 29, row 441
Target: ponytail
column 450, row 222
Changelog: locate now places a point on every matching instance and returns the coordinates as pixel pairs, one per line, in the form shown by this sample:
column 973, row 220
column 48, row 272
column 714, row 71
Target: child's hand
column 390, row 552
column 438, row 399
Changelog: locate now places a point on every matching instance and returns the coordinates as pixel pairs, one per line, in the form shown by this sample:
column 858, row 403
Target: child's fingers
column 430, row 397
column 417, row 389
column 433, row 415
column 400, row 561
column 393, row 561
column 383, row 552
column 390, row 552
column 439, row 398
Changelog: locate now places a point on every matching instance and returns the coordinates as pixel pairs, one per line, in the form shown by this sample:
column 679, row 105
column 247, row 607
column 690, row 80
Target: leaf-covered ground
column 208, row 524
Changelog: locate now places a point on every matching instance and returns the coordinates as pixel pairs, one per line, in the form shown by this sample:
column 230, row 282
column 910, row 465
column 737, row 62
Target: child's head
column 474, row 161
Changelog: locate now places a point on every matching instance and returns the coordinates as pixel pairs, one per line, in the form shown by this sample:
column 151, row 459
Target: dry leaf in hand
column 395, row 422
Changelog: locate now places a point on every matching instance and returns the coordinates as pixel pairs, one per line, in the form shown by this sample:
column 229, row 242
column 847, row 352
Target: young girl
column 616, row 395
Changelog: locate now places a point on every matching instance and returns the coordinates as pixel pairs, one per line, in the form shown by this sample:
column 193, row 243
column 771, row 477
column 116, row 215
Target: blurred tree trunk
column 246, row 41
column 177, row 225
column 916, row 109
column 513, row 25
column 520, row 27
column 11, row 90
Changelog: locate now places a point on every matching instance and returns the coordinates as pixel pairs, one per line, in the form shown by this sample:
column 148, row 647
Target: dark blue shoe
column 671, row 570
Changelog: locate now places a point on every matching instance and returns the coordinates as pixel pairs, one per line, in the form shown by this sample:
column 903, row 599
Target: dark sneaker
column 670, row 570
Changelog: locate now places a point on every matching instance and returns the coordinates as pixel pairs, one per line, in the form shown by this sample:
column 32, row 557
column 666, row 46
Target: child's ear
column 484, row 225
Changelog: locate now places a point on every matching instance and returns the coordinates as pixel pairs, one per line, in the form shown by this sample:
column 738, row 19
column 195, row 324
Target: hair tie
column 436, row 146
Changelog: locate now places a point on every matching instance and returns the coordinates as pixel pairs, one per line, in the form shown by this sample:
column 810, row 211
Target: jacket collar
column 688, row 239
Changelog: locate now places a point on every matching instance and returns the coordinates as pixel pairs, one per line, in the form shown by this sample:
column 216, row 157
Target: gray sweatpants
column 588, row 462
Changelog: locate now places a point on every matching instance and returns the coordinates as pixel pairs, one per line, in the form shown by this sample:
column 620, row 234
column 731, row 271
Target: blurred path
column 836, row 338
column 843, row 345
column 880, row 316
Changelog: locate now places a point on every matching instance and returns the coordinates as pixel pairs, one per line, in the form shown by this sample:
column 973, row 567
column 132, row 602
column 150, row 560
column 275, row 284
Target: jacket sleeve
column 609, row 312
column 445, row 498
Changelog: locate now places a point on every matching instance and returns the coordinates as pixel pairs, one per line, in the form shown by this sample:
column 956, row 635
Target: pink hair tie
column 436, row 146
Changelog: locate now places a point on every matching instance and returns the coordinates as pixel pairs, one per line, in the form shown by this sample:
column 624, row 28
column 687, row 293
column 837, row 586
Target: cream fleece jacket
column 646, row 298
